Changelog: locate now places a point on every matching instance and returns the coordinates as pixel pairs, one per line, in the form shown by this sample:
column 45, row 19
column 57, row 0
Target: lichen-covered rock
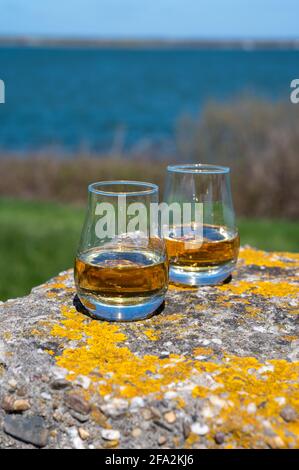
column 219, row 367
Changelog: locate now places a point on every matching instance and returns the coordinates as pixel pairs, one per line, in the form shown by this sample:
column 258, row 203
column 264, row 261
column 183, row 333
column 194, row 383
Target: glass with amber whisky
column 121, row 269
column 201, row 237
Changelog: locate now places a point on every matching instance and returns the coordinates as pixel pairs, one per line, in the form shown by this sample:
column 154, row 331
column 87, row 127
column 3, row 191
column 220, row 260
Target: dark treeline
column 258, row 140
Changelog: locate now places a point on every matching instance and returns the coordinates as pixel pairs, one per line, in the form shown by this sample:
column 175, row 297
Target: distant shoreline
column 128, row 43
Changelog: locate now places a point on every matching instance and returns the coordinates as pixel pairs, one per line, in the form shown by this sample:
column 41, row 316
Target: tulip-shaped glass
column 202, row 243
column 121, row 269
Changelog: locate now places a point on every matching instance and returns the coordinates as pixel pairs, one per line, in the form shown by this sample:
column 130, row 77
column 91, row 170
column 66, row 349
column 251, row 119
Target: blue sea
column 69, row 99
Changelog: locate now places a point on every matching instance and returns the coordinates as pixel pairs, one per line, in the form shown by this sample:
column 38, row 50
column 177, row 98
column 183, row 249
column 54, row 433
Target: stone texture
column 223, row 360
column 28, row 429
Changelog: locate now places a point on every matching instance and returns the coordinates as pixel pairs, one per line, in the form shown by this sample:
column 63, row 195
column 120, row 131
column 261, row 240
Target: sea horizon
column 145, row 42
column 124, row 99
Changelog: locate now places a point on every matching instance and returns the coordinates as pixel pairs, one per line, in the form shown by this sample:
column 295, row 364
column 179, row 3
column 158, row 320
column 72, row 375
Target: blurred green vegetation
column 39, row 239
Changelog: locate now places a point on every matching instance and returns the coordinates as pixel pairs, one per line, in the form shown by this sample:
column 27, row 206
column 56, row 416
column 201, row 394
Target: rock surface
column 218, row 368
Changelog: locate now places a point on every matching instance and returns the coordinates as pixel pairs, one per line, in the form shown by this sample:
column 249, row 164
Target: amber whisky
column 217, row 247
column 120, row 277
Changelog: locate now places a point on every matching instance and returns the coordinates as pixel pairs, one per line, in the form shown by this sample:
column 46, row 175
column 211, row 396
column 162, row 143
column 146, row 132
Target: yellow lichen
column 36, row 332
column 125, row 374
column 289, row 338
column 263, row 288
column 151, row 334
column 261, row 258
column 172, row 317
column 7, row 336
column 252, row 392
column 180, row 402
column 248, row 389
column 203, row 351
column 191, row 440
column 50, row 352
column 58, row 285
column 252, row 311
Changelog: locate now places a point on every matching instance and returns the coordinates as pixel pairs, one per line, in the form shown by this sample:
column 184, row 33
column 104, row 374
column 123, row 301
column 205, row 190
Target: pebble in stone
column 76, row 440
column 115, row 407
column 110, row 434
column 216, row 401
column 280, row 400
column 162, row 425
column 155, row 412
column 28, row 429
column 83, row 381
column 79, row 416
column 136, row 403
column 186, row 429
column 77, row 402
column 99, row 417
column 200, row 429
column 251, row 408
column 207, row 412
column 110, row 444
column 136, row 432
column 22, row 391
column 12, row 384
column 266, row 368
column 276, row 443
column 219, row 438
column 60, row 384
column 162, row 440
column 217, row 341
column 289, row 414
column 170, row 395
column 164, row 354
column 170, row 417
column 46, row 396
column 58, row 416
column 2, row 352
column 83, row 434
column 12, row 405
column 146, row 414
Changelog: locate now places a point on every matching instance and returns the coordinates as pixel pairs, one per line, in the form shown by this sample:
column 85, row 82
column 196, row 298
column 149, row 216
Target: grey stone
column 40, row 332
column 219, row 438
column 60, row 384
column 289, row 414
column 30, row 429
column 77, row 402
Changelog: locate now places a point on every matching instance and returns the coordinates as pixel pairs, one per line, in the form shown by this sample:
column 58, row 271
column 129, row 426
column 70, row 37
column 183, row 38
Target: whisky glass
column 202, row 248
column 121, row 269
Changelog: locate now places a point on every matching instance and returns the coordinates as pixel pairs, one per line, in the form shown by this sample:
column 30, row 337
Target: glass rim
column 151, row 188
column 198, row 168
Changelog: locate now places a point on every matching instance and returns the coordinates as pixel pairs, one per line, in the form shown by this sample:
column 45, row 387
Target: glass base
column 121, row 312
column 204, row 277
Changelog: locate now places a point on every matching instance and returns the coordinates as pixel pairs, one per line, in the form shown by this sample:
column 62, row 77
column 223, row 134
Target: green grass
column 38, row 239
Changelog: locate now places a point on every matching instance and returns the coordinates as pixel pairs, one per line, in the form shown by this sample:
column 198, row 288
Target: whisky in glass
column 121, row 271
column 205, row 251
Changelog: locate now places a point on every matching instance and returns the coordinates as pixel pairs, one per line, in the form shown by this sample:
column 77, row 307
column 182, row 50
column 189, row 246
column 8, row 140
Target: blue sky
column 152, row 18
